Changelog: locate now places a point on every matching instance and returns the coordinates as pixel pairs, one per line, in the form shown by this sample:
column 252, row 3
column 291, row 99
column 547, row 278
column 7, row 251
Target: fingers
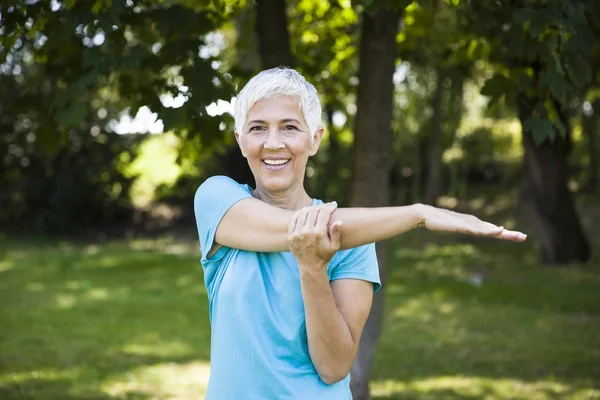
column 335, row 235
column 307, row 218
column 472, row 225
column 299, row 220
column 475, row 226
column 312, row 217
column 449, row 221
column 513, row 236
column 325, row 215
column 492, row 230
column 302, row 215
column 294, row 222
column 499, row 232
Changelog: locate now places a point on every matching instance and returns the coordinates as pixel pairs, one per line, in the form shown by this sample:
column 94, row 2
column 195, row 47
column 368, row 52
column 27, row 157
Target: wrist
column 313, row 271
column 420, row 215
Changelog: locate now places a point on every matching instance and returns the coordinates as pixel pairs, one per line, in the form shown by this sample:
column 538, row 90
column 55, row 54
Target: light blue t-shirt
column 259, row 346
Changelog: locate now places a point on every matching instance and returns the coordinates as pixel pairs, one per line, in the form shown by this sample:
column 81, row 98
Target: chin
column 276, row 184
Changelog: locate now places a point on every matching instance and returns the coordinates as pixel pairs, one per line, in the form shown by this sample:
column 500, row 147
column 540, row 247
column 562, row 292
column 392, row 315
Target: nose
column 273, row 141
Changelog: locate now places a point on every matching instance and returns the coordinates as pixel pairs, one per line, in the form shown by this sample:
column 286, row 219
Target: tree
column 273, row 34
column 431, row 50
column 324, row 38
column 432, row 47
column 546, row 196
column 590, row 122
column 271, row 29
column 76, row 66
column 372, row 148
column 371, row 159
column 538, row 51
column 591, row 126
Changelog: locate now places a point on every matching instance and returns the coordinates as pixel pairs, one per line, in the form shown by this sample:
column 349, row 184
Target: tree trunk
column 274, row 50
column 334, row 161
column 546, row 198
column 371, row 159
column 590, row 127
column 273, row 35
column 433, row 183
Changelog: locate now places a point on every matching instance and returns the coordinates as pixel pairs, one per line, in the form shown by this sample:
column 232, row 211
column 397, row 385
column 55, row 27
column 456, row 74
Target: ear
column 238, row 139
column 316, row 141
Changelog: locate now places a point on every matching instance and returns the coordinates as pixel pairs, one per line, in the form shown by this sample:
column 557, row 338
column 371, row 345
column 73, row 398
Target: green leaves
column 118, row 55
column 545, row 122
column 540, row 128
column 70, row 115
column 372, row 6
column 538, row 49
column 496, row 87
column 578, row 70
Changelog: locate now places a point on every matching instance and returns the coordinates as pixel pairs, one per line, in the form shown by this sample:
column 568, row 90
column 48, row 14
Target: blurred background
column 112, row 112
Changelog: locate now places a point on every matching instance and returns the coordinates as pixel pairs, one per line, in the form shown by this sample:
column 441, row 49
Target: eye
column 256, row 128
column 290, row 128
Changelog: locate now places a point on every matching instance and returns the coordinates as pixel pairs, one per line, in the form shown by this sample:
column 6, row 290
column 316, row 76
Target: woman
column 290, row 279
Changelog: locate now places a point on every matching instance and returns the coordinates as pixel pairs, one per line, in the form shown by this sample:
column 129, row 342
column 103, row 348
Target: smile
column 276, row 162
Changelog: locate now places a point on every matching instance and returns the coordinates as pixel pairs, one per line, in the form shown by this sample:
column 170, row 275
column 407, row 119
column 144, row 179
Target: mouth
column 275, row 164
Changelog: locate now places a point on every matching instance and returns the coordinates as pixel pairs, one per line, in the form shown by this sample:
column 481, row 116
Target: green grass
column 129, row 320
column 124, row 321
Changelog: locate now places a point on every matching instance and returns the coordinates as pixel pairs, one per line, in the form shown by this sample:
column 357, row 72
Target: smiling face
column 276, row 141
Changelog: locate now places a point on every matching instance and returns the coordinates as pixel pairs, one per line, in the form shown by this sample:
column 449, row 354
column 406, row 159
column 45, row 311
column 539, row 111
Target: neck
column 293, row 199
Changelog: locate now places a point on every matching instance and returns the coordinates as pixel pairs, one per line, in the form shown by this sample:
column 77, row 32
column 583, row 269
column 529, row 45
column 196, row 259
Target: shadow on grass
column 131, row 322
column 60, row 391
column 486, row 311
column 488, row 394
column 74, row 318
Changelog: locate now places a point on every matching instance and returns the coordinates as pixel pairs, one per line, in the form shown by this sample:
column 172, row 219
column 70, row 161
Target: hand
column 446, row 221
column 312, row 241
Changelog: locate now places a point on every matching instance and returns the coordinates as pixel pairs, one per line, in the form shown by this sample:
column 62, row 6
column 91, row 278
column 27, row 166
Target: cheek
column 249, row 147
column 301, row 146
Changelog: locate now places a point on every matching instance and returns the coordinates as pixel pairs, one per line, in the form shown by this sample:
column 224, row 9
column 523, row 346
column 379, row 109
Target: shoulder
column 218, row 186
column 216, row 182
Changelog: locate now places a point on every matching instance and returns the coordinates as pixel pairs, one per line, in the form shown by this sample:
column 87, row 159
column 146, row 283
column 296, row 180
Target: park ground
column 465, row 319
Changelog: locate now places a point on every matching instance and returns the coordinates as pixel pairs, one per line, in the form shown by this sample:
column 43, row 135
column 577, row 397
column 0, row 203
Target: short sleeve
column 213, row 199
column 357, row 263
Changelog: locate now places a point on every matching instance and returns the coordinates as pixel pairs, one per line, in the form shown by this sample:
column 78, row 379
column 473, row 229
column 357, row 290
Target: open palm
column 446, row 221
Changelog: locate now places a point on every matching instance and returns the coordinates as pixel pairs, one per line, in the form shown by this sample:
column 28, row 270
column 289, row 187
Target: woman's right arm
column 254, row 225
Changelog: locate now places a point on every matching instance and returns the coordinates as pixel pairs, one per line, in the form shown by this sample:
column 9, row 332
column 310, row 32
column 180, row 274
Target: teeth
column 275, row 162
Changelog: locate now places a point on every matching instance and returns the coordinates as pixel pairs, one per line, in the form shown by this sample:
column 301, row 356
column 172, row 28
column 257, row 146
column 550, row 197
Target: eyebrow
column 260, row 121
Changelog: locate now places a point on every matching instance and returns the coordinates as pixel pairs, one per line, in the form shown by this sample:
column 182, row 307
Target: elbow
column 336, row 368
column 330, row 379
column 331, row 376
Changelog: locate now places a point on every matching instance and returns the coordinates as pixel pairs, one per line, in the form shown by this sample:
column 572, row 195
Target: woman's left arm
column 336, row 312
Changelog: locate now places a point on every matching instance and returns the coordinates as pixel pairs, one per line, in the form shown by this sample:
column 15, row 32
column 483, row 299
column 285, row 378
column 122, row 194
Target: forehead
column 275, row 109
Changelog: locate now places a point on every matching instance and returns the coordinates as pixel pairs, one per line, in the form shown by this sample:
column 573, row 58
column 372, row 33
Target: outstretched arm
column 254, row 225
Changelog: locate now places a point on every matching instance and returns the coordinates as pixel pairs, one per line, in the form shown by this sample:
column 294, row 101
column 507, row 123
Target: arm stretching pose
column 290, row 281
column 254, row 225
column 336, row 312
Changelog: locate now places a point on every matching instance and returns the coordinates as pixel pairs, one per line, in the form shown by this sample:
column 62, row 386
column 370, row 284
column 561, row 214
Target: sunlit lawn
column 129, row 320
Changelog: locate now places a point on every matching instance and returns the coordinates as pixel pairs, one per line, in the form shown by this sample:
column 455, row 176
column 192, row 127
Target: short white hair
column 280, row 81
